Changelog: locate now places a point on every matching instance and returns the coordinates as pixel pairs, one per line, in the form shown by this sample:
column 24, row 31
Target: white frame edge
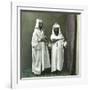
column 15, row 43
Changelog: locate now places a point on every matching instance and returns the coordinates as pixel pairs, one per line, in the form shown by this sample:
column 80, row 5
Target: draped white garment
column 40, row 54
column 57, row 57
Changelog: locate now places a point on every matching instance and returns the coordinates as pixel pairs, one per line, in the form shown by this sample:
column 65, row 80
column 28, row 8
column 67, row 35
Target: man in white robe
column 58, row 44
column 40, row 54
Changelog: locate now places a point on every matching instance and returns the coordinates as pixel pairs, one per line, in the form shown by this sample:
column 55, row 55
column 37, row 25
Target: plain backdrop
column 68, row 26
column 5, row 39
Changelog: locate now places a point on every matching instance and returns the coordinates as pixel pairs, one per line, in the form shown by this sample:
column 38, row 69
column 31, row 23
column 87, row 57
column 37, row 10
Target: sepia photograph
column 45, row 44
column 48, row 43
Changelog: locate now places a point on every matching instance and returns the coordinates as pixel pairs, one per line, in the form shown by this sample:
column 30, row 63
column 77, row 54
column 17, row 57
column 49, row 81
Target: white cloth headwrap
column 37, row 23
column 60, row 35
column 56, row 25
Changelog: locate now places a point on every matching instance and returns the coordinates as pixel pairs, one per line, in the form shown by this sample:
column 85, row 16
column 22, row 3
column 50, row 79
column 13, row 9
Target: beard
column 56, row 32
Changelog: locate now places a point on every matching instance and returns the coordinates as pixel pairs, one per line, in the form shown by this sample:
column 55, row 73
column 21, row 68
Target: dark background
column 68, row 23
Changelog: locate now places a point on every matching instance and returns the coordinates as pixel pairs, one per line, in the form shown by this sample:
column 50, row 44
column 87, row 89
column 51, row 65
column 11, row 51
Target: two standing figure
column 40, row 53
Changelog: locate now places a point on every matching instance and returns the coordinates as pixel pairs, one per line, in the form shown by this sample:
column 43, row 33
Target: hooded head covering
column 37, row 23
column 60, row 35
column 37, row 34
column 56, row 25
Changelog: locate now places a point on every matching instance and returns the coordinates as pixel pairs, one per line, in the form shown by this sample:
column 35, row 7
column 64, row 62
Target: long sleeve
column 35, row 39
column 56, row 37
column 53, row 37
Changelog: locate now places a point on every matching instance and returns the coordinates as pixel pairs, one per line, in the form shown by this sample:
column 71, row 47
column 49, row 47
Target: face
column 56, row 31
column 40, row 25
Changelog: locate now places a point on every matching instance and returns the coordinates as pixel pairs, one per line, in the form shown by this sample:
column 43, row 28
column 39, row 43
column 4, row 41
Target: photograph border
column 16, row 81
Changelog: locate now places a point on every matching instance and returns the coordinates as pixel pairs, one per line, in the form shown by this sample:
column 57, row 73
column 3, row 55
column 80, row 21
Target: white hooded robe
column 40, row 54
column 57, row 57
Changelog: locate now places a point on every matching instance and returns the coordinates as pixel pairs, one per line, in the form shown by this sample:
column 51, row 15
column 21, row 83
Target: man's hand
column 44, row 39
column 65, row 44
column 55, row 40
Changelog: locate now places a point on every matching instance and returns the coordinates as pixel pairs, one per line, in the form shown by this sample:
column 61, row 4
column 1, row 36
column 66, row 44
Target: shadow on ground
column 46, row 73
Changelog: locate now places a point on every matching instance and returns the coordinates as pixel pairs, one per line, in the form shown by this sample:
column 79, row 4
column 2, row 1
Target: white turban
column 37, row 23
column 53, row 36
column 56, row 25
